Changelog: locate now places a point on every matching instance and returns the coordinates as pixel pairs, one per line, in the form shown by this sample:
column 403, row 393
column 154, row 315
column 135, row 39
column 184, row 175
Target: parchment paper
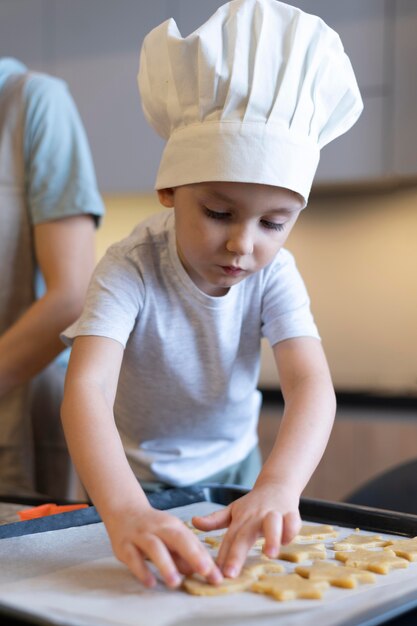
column 70, row 577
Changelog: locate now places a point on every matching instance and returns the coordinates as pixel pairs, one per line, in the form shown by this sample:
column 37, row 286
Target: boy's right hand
column 141, row 534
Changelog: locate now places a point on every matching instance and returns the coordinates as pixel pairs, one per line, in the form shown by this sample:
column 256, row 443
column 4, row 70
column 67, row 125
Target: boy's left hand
column 269, row 510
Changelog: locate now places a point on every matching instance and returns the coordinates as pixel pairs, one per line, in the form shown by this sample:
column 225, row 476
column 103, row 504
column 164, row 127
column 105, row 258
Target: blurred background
column 355, row 244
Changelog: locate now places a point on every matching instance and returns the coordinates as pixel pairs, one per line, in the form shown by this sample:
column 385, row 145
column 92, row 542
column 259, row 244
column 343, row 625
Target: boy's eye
column 272, row 225
column 224, row 215
column 216, row 215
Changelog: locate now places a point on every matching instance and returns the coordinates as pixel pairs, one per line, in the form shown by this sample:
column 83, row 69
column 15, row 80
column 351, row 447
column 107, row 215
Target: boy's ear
column 166, row 197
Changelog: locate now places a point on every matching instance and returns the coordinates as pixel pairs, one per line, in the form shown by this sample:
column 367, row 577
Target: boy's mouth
column 232, row 270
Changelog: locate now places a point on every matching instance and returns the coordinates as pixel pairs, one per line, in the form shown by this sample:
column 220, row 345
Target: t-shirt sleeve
column 114, row 300
column 61, row 181
column 286, row 310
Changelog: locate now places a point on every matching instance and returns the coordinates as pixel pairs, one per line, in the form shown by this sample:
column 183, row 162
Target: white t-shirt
column 187, row 404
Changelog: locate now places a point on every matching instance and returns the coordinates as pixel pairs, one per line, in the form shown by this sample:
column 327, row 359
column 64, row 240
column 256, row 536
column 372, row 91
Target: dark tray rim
column 314, row 510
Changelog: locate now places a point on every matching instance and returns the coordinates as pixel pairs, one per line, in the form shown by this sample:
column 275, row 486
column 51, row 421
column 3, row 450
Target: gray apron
column 29, row 414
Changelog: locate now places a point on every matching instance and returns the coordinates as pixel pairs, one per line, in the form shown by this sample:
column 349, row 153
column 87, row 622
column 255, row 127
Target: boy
column 171, row 330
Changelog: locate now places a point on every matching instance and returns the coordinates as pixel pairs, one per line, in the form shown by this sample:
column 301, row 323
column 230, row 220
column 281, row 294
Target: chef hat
column 250, row 96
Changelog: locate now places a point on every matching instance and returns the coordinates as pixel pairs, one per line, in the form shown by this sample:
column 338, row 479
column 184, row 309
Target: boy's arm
column 136, row 530
column 271, row 508
column 309, row 412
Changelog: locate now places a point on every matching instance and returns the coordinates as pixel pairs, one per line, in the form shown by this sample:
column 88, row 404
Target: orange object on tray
column 48, row 509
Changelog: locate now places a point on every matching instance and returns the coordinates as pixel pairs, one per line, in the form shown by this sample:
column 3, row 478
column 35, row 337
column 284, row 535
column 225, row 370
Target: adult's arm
column 64, row 250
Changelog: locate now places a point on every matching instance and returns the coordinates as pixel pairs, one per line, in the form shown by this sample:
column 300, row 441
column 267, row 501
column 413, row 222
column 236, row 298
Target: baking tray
column 402, row 612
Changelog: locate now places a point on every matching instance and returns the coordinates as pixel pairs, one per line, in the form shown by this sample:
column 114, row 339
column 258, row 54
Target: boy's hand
column 164, row 540
column 268, row 510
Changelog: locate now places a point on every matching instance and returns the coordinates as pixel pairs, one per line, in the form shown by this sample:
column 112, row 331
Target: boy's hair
column 250, row 96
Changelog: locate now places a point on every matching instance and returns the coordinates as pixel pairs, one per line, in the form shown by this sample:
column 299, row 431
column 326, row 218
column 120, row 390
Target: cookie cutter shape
column 337, row 575
column 298, row 552
column 256, row 566
column 321, row 532
column 289, row 587
column 197, row 586
column 406, row 548
column 378, row 561
column 355, row 540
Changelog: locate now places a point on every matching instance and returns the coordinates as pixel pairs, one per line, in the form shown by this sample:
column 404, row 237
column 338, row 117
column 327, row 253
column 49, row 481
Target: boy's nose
column 240, row 241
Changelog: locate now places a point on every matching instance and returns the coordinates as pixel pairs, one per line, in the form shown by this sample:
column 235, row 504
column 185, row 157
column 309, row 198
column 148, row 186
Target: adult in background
column 49, row 207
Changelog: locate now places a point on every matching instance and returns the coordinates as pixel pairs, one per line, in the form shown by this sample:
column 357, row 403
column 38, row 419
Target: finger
column 182, row 565
column 158, row 553
column 189, row 548
column 225, row 548
column 236, row 551
column 134, row 560
column 214, row 521
column 186, row 569
column 272, row 529
column 215, row 577
column 291, row 526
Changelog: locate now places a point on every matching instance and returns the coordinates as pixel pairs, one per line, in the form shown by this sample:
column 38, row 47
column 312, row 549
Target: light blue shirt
column 59, row 173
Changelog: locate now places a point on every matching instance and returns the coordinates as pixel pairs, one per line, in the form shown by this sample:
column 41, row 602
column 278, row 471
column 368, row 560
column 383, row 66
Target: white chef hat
column 250, row 96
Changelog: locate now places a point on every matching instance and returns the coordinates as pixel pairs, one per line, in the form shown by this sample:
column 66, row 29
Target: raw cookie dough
column 360, row 541
column 257, row 566
column 289, row 587
column 254, row 567
column 309, row 532
column 297, row 552
column 199, row 587
column 336, row 575
column 406, row 548
column 378, row 561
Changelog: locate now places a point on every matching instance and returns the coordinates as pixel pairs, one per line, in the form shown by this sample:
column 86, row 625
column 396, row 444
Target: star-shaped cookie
column 254, row 567
column 257, row 566
column 355, row 540
column 298, row 552
column 197, row 586
column 378, row 561
column 309, row 532
column 406, row 548
column 336, row 575
column 289, row 587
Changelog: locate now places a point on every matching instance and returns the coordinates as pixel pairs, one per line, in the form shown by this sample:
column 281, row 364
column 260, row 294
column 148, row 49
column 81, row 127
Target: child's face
column 227, row 231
